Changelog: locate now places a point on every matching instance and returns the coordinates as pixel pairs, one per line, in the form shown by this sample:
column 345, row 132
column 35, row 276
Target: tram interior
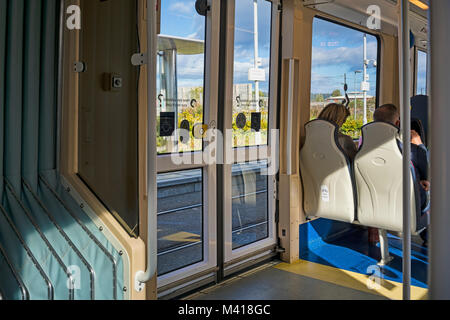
column 111, row 112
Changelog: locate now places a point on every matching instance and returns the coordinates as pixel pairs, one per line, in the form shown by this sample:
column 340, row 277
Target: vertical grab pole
column 142, row 277
column 406, row 130
column 366, row 64
column 290, row 117
column 440, row 151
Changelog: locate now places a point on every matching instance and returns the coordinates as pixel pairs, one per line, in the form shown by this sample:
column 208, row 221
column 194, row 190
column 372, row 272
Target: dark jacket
column 419, row 158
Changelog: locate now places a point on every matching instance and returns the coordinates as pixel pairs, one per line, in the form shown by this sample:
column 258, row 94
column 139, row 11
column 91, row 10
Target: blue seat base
column 345, row 246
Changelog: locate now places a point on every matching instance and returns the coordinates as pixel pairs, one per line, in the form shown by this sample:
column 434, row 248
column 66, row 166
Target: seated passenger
column 338, row 114
column 419, row 153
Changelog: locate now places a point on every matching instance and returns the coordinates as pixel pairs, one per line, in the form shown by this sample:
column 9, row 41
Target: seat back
column 378, row 176
column 326, row 174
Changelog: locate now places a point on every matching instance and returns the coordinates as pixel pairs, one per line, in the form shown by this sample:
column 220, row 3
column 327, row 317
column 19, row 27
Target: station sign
column 365, row 86
column 256, row 74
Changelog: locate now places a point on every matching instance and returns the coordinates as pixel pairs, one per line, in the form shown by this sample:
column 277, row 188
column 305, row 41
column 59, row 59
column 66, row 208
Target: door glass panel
column 421, row 73
column 180, row 77
column 108, row 113
column 180, row 220
column 252, row 48
column 250, row 203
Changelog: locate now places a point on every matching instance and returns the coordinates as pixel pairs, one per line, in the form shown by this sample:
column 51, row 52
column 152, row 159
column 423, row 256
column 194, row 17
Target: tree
column 320, row 98
column 336, row 93
column 196, row 93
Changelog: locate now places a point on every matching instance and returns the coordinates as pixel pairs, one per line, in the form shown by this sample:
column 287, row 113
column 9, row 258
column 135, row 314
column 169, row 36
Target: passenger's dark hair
column 386, row 113
column 336, row 113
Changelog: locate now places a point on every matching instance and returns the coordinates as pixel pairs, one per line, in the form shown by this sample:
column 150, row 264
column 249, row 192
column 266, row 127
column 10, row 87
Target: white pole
column 152, row 239
column 406, row 128
column 255, row 13
column 255, row 8
column 365, row 78
column 356, row 97
column 440, row 150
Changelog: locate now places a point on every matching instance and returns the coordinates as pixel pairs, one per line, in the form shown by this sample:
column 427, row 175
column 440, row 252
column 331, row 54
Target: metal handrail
column 290, row 118
column 87, row 231
column 22, row 287
column 66, row 237
column 50, row 288
column 143, row 277
column 406, row 129
column 43, row 237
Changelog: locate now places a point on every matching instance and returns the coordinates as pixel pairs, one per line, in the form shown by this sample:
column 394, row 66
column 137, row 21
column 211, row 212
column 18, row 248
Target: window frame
column 416, row 70
column 379, row 44
column 250, row 153
column 164, row 164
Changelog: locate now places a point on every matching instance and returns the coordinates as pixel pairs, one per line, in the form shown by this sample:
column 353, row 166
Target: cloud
column 350, row 57
column 190, row 70
column 183, row 7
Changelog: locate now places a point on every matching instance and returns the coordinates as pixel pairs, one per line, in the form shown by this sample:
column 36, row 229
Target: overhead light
column 420, row 4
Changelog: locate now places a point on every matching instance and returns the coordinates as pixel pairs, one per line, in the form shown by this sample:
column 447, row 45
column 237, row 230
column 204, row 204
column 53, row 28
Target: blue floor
column 345, row 246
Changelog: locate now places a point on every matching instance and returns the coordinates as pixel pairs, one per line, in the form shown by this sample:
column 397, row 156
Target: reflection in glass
column 421, row 73
column 180, row 76
column 251, row 71
column 180, row 220
column 250, row 203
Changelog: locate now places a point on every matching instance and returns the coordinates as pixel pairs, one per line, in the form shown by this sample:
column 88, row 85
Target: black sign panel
column 241, row 121
column 256, row 121
column 185, row 131
column 167, row 124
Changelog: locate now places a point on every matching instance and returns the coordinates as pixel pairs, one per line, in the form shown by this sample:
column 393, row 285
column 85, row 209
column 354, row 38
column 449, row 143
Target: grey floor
column 268, row 283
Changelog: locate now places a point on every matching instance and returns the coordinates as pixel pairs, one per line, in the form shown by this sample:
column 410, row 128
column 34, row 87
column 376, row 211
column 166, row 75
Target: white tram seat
column 378, row 178
column 326, row 174
column 366, row 192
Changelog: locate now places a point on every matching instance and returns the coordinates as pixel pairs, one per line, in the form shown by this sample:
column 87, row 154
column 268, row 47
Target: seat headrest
column 319, row 123
column 378, row 133
column 319, row 129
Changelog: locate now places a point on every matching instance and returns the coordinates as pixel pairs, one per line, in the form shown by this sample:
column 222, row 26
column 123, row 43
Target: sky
column 180, row 19
column 421, row 72
column 337, row 50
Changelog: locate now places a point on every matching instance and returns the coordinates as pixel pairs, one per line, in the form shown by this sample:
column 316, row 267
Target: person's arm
column 420, row 155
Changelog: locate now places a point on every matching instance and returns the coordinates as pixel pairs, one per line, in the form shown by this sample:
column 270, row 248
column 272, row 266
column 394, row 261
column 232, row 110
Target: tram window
column 421, row 73
column 338, row 57
column 251, row 78
column 180, row 76
column 180, row 220
column 250, row 203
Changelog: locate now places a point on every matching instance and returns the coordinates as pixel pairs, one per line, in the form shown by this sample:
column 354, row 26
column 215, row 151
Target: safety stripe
column 365, row 283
